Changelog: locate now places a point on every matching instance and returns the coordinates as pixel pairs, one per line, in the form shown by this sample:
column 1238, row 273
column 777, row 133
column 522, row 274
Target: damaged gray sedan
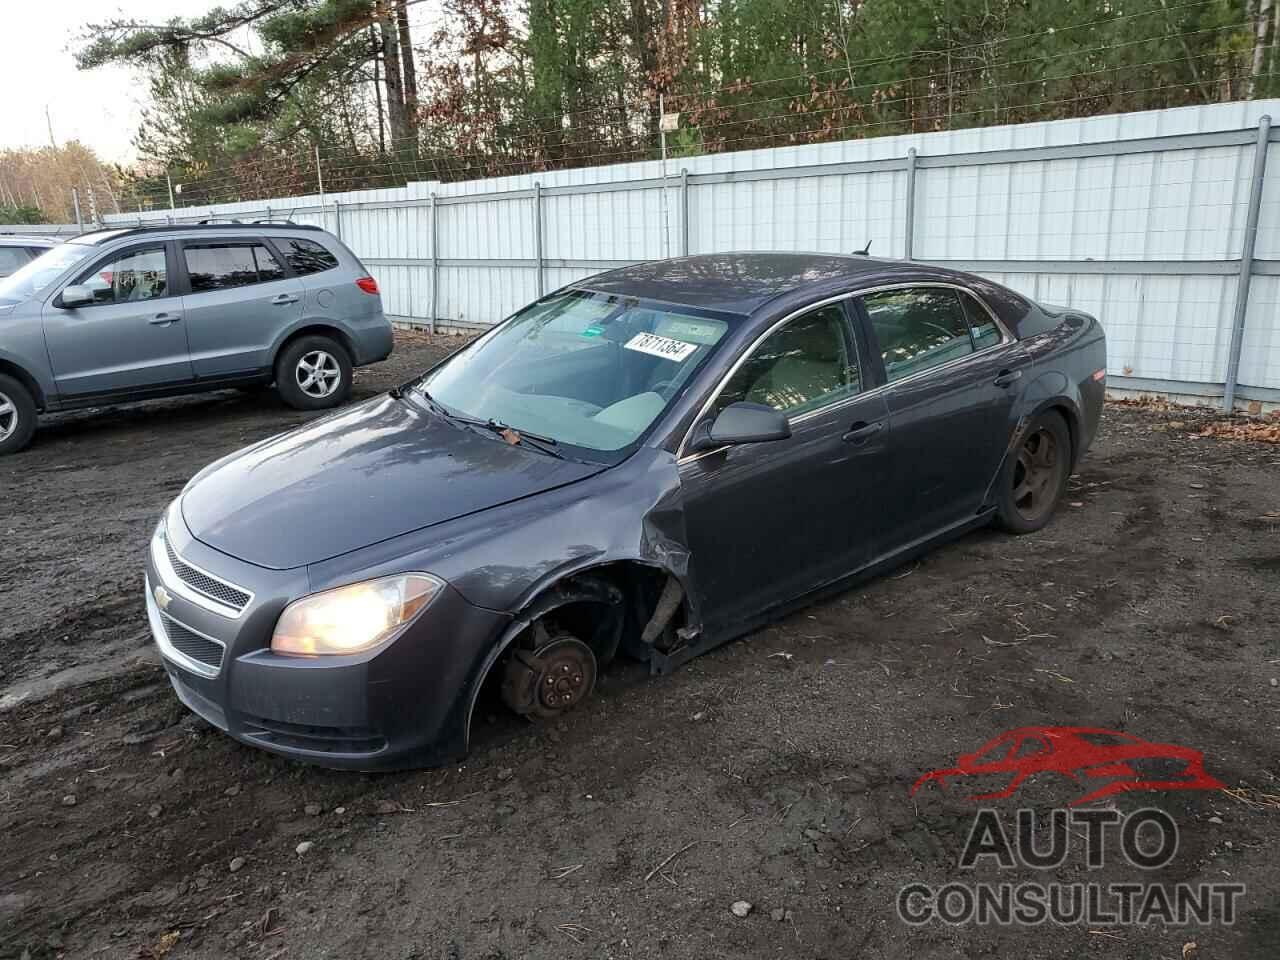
column 651, row 461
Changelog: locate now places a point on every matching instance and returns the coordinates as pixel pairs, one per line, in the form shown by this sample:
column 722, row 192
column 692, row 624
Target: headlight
column 353, row 618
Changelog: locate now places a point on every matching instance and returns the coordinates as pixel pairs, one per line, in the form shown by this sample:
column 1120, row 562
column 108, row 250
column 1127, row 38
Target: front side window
column 802, row 366
column 306, row 256
column 35, row 277
column 223, row 266
column 918, row 329
column 587, row 369
column 137, row 275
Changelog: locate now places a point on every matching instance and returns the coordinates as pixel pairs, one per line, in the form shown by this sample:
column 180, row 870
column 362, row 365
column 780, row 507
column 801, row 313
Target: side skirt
column 664, row 663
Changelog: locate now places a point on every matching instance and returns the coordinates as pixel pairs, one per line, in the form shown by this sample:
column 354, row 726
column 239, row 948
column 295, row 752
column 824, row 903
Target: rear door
column 239, row 294
column 132, row 336
column 952, row 378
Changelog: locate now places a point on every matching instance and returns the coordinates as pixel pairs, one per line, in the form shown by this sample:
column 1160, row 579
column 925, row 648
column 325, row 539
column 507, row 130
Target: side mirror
column 743, row 422
column 76, row 295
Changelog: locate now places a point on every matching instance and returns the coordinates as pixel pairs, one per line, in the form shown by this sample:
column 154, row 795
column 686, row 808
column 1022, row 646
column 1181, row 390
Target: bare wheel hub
column 551, row 680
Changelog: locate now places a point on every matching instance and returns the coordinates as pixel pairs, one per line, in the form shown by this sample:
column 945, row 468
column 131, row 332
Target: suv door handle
column 861, row 432
column 284, row 298
column 164, row 319
column 1007, row 378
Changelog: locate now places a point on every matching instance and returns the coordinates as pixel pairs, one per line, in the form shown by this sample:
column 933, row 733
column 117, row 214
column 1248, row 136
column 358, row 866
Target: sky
column 97, row 107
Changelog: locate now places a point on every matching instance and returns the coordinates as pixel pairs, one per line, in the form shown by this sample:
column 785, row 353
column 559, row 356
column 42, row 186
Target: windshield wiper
column 545, row 444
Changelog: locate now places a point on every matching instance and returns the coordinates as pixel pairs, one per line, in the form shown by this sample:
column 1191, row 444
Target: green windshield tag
column 592, row 331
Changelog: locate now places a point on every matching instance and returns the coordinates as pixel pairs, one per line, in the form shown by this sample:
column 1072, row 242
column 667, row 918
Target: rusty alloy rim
column 1036, row 475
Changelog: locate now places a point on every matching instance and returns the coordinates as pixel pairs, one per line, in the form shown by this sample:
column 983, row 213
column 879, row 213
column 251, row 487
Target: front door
column 132, row 336
column 239, row 299
column 768, row 522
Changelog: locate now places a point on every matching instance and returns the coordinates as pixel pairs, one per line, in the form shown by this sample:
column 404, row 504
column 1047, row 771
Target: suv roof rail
column 206, row 225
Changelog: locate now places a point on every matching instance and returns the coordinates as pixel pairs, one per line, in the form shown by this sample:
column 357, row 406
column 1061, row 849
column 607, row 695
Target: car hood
column 371, row 472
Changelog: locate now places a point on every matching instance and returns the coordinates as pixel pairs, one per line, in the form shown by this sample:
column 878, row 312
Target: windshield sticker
column 664, row 347
column 592, row 331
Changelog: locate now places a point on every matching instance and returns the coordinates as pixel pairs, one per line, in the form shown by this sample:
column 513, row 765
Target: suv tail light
column 368, row 285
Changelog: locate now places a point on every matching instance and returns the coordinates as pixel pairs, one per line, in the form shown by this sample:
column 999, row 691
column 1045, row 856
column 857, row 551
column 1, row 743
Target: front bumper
column 403, row 704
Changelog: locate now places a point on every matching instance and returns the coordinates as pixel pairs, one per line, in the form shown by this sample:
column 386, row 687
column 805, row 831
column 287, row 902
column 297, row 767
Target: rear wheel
column 1035, row 475
column 314, row 373
column 17, row 415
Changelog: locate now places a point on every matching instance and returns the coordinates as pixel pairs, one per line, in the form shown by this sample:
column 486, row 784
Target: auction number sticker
column 664, row 347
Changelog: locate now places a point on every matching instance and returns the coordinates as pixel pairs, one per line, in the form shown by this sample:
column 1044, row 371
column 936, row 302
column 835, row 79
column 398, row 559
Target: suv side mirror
column 743, row 422
column 76, row 295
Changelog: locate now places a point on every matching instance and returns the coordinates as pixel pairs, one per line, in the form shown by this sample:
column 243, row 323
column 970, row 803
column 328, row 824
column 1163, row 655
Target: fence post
column 1246, row 264
column 337, row 219
column 435, row 266
column 684, row 211
column 537, row 232
column 75, row 202
column 908, row 239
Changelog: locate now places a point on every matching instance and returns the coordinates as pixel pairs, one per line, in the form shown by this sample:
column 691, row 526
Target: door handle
column 164, row 319
column 284, row 298
column 1007, row 378
column 861, row 432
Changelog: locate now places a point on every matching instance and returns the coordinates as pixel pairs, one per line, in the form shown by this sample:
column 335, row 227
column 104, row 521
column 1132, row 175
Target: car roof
column 768, row 283
column 741, row 283
column 26, row 240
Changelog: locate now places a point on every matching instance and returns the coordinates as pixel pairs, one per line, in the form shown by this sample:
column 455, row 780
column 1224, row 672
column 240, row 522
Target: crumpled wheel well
column 617, row 599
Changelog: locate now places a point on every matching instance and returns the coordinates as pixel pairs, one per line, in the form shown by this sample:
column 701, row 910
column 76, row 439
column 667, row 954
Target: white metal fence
column 1148, row 220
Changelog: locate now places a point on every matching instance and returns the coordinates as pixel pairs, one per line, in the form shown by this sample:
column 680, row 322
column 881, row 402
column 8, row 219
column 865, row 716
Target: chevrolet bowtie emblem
column 162, row 597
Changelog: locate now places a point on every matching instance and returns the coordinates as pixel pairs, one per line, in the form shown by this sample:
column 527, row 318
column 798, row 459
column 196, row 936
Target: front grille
column 190, row 644
column 202, row 583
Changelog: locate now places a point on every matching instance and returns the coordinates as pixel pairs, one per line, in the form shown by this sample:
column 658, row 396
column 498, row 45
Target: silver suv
column 156, row 311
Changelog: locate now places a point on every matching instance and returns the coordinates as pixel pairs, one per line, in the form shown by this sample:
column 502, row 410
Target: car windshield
column 34, row 278
column 587, row 369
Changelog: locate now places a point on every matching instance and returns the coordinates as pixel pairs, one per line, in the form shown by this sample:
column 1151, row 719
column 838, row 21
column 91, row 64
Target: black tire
column 17, row 415
column 1035, row 475
column 292, row 380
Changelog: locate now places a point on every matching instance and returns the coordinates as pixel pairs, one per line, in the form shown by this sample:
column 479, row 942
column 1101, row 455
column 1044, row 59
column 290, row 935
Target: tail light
column 368, row 285
column 1099, row 374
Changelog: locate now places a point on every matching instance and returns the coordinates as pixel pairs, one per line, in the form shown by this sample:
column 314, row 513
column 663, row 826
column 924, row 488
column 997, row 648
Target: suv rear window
column 306, row 256
column 222, row 266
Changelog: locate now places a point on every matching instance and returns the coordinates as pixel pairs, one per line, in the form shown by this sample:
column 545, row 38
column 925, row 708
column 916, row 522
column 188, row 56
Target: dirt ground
column 777, row 769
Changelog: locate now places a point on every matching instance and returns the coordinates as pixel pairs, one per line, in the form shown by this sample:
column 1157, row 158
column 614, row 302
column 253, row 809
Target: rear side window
column 918, row 329
column 984, row 329
column 306, row 256
column 11, row 258
column 222, row 266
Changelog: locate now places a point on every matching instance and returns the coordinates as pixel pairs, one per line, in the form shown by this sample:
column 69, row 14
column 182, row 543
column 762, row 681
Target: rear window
column 306, row 256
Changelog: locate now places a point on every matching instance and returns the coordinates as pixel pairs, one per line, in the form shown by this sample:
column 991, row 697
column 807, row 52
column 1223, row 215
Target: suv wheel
column 314, row 373
column 17, row 415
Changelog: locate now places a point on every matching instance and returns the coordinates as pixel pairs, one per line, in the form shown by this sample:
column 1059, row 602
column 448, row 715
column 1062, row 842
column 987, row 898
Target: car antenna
column 865, row 251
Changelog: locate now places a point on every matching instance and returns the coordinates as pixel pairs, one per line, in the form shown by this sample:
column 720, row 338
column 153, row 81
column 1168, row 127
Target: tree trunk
column 377, row 90
column 391, row 70
column 410, row 74
column 1261, row 24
